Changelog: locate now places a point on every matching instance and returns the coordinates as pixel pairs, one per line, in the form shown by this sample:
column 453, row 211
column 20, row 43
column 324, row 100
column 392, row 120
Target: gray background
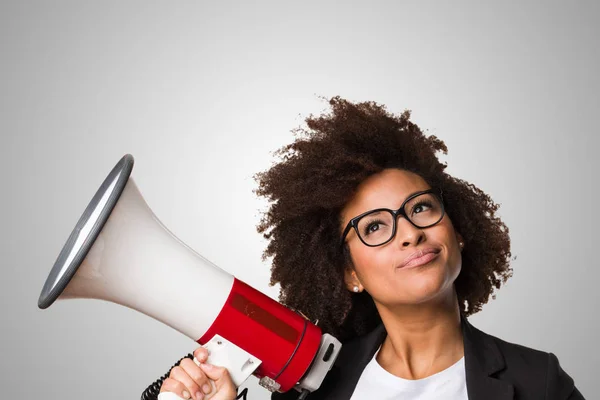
column 201, row 94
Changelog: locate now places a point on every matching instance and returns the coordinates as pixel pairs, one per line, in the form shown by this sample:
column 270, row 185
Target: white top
column 377, row 383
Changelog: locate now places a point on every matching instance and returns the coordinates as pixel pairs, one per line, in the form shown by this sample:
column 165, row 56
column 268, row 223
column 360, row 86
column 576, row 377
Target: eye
column 422, row 206
column 372, row 227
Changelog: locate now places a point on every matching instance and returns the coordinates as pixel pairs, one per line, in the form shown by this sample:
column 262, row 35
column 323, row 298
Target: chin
column 426, row 287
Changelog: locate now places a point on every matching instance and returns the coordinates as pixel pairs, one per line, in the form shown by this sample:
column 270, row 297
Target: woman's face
column 379, row 270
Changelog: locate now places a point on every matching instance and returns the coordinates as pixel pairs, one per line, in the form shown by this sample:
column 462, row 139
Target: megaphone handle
column 239, row 363
column 212, row 383
column 173, row 396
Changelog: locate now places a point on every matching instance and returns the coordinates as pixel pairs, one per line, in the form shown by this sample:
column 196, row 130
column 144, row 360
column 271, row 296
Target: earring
column 461, row 244
column 355, row 289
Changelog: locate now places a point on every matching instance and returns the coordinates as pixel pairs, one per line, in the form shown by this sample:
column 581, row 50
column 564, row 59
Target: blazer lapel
column 482, row 360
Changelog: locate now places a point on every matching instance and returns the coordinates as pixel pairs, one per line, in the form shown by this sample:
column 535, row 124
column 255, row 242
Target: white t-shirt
column 377, row 383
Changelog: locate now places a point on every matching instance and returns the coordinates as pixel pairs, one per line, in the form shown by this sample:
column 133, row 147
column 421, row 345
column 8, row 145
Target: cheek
column 447, row 236
column 454, row 257
column 370, row 265
column 455, row 264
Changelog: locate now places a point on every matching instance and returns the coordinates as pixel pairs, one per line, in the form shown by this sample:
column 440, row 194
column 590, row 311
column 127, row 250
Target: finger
column 174, row 386
column 192, row 388
column 201, row 354
column 221, row 377
column 194, row 371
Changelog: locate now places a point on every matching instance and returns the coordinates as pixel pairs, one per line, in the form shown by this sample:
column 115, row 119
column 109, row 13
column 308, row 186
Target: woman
column 390, row 254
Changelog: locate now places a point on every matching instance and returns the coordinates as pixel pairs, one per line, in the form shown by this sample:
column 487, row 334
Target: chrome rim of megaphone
column 86, row 231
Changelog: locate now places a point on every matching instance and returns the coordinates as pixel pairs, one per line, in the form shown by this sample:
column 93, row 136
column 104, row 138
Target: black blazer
column 495, row 370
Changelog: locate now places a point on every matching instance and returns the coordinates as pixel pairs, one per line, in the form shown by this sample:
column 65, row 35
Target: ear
column 349, row 276
column 459, row 240
column 351, row 280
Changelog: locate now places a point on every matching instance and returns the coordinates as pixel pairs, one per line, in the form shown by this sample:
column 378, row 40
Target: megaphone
column 119, row 251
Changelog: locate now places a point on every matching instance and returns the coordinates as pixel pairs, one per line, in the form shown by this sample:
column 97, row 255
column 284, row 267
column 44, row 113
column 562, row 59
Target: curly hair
column 319, row 173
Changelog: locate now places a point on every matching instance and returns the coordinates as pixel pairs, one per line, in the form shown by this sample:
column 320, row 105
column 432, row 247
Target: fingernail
column 206, row 388
column 186, row 395
column 199, row 396
column 206, row 365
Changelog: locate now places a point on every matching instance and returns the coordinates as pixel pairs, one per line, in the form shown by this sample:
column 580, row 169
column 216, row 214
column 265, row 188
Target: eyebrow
column 411, row 194
column 418, row 191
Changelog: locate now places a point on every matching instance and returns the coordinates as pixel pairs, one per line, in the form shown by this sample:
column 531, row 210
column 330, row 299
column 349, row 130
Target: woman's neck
column 421, row 339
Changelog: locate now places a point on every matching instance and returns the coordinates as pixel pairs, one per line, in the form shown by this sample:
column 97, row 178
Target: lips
column 420, row 257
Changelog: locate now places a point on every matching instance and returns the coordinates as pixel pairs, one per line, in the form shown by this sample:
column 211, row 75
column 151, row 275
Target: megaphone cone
column 119, row 251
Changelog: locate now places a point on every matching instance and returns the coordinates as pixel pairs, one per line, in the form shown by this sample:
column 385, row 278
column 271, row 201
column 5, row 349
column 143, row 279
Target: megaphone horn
column 119, row 251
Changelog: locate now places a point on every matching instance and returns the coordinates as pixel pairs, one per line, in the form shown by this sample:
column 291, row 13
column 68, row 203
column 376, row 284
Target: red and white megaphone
column 120, row 252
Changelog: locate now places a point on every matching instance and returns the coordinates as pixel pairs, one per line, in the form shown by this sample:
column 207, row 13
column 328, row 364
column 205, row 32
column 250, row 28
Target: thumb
column 218, row 374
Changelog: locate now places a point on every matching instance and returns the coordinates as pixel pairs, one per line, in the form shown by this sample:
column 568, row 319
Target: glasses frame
column 353, row 223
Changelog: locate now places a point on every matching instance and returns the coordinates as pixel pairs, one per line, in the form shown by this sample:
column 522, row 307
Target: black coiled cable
column 152, row 391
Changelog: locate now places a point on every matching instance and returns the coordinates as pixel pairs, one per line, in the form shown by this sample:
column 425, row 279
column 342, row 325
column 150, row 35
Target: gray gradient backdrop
column 201, row 95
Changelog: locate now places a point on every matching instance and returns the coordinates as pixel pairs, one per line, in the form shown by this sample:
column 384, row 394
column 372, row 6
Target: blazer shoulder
column 541, row 368
column 514, row 352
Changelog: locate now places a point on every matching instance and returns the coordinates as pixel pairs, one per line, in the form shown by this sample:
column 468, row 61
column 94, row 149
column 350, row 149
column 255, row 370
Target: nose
column 407, row 234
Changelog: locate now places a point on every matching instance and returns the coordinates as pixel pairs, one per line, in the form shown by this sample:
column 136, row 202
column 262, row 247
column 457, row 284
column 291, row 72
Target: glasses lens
column 424, row 210
column 377, row 227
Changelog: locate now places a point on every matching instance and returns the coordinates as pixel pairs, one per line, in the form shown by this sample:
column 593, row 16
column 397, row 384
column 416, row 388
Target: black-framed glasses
column 377, row 227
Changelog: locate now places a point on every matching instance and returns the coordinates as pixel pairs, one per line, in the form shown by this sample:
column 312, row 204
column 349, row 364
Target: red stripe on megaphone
column 269, row 331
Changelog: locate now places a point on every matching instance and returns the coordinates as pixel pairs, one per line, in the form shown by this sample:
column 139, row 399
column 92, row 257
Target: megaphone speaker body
column 121, row 252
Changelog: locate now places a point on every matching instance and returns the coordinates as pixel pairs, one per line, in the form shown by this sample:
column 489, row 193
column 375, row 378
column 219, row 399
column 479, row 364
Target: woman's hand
column 190, row 381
